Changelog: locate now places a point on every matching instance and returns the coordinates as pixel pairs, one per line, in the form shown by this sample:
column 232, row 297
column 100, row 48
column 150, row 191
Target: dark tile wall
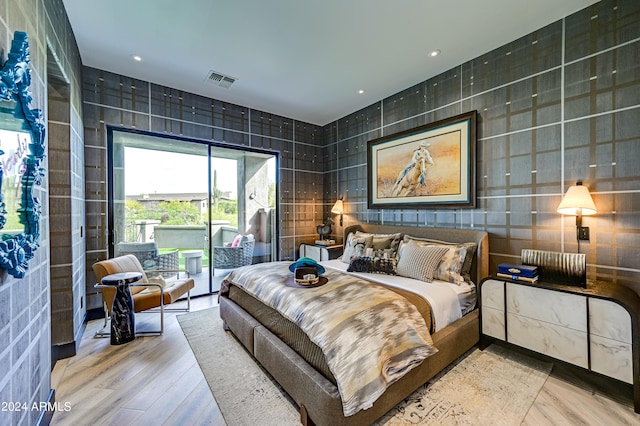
column 25, row 309
column 116, row 100
column 24, row 303
column 555, row 106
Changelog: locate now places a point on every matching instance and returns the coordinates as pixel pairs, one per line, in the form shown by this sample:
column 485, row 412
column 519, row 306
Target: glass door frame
column 212, row 145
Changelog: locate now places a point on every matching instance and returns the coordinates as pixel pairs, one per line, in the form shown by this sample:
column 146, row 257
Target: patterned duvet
column 370, row 336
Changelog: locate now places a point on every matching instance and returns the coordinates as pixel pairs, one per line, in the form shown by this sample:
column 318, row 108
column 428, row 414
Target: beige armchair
column 148, row 293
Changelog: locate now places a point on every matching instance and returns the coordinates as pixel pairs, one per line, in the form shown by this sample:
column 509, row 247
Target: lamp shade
column 577, row 201
column 337, row 208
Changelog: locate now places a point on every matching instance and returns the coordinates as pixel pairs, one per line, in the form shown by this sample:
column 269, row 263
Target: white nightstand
column 596, row 328
column 320, row 252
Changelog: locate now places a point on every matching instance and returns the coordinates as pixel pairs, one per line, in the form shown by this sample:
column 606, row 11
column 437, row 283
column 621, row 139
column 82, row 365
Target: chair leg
column 139, row 333
column 187, row 309
column 102, row 333
column 154, row 332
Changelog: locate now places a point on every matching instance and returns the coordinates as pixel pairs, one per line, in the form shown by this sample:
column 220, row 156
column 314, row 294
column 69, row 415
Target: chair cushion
column 144, row 300
column 127, row 263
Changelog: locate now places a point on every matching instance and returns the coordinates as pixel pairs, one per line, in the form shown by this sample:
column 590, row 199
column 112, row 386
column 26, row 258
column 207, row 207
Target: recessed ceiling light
column 434, row 53
column 137, row 58
column 361, row 91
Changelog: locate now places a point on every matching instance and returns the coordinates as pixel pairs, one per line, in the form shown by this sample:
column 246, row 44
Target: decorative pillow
column 420, row 262
column 385, row 253
column 451, row 264
column 157, row 279
column 355, row 247
column 456, row 265
column 236, row 241
column 382, row 241
column 375, row 265
column 382, row 245
column 468, row 260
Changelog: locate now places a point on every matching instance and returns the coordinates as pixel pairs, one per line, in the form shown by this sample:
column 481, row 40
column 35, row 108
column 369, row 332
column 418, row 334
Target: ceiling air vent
column 219, row 79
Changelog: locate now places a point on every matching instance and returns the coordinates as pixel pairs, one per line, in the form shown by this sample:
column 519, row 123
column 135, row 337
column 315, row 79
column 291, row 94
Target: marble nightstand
column 595, row 328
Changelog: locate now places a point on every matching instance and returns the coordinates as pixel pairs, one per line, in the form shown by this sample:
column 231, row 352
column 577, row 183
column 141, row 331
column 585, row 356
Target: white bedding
column 448, row 301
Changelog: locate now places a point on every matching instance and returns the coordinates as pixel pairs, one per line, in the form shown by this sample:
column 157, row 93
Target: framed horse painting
column 431, row 166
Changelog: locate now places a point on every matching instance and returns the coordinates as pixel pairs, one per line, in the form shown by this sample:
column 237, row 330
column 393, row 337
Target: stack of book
column 528, row 273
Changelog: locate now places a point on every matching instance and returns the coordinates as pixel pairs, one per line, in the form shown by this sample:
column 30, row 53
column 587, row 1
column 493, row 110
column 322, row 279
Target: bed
column 305, row 372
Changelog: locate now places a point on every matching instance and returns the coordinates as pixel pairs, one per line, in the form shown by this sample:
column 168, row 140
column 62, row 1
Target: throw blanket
column 370, row 336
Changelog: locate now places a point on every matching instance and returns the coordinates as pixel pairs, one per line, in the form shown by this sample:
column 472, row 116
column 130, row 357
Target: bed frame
column 317, row 397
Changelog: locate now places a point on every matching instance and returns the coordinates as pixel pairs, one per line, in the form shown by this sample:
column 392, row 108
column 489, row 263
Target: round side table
column 123, row 327
column 193, row 261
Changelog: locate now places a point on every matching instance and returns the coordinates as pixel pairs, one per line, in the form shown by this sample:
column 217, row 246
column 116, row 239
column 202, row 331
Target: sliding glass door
column 189, row 205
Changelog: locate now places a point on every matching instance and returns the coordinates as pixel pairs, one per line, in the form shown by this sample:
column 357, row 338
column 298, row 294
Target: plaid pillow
column 420, row 262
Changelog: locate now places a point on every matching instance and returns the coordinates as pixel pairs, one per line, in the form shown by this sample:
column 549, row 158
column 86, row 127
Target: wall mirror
column 22, row 150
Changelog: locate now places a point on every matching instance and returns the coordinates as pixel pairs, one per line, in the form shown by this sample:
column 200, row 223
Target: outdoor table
column 193, row 260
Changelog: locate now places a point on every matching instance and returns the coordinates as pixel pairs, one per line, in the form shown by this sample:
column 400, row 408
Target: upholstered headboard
column 480, row 265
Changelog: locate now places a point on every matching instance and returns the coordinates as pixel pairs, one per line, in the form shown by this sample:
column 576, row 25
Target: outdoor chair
column 149, row 293
column 235, row 257
column 148, row 256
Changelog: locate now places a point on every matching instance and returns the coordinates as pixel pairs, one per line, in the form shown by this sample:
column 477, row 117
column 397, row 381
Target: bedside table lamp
column 577, row 201
column 338, row 208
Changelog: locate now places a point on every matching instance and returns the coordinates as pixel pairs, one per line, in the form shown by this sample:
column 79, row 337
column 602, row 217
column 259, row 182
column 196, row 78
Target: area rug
column 492, row 387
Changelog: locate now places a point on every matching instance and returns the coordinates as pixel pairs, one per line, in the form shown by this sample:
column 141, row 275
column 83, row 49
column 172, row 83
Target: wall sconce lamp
column 338, row 208
column 577, row 201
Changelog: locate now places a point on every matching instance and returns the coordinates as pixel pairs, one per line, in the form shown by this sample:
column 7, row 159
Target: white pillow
column 157, row 279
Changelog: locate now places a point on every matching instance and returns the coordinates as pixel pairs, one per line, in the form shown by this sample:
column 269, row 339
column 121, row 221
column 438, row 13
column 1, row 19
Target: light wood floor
column 152, row 380
column 157, row 381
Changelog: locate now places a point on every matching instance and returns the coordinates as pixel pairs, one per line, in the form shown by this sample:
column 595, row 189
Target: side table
column 123, row 327
column 193, row 261
column 319, row 252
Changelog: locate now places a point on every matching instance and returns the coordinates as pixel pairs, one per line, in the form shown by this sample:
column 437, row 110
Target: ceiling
column 305, row 60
